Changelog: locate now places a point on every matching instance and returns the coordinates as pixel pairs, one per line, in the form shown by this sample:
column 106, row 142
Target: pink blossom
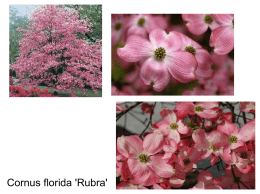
column 147, row 108
column 160, row 58
column 118, row 26
column 128, row 185
column 118, row 107
column 202, row 56
column 236, row 138
column 171, row 127
column 213, row 143
column 208, row 110
column 206, row 181
column 199, row 23
column 222, row 38
column 247, row 107
column 228, row 181
column 143, row 24
column 142, row 159
column 244, row 159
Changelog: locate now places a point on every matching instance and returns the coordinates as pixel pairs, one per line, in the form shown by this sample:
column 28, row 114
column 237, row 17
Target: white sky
column 24, row 9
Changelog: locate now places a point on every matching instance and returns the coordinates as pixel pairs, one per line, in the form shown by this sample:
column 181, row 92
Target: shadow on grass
column 78, row 93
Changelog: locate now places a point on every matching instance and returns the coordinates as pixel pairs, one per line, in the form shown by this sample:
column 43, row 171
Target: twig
column 119, row 115
column 243, row 184
column 235, row 178
column 150, row 121
column 232, row 110
column 244, row 117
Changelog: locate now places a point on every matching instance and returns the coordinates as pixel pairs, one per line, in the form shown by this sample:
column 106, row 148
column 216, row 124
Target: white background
column 75, row 137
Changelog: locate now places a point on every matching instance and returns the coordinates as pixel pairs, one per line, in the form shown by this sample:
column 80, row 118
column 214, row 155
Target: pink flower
column 247, row 107
column 206, row 181
column 236, row 138
column 118, row 107
column 199, row 23
column 160, row 58
column 171, row 126
column 213, row 143
column 118, row 23
column 143, row 164
column 125, row 91
column 128, row 185
column 142, row 25
column 147, row 108
column 243, row 159
column 202, row 56
column 189, row 156
column 223, row 63
column 207, row 110
column 222, row 38
column 229, row 181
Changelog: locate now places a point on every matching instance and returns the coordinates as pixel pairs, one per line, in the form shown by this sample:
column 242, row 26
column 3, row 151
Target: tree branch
column 150, row 121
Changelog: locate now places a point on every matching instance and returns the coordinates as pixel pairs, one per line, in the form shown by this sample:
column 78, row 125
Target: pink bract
column 222, row 38
column 199, row 23
column 160, row 58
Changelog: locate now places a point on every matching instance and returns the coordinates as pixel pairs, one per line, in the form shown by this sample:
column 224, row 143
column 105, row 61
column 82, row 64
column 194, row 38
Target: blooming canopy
column 51, row 54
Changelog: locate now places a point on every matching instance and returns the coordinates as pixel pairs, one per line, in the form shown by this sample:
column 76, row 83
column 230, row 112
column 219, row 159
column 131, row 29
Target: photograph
column 55, row 50
column 185, row 145
column 172, row 54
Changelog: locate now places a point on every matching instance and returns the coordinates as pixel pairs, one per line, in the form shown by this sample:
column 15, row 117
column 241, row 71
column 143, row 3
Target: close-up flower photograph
column 172, row 54
column 185, row 145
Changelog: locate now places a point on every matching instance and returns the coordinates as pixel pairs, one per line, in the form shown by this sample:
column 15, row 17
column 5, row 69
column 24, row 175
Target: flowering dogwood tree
column 185, row 144
column 52, row 56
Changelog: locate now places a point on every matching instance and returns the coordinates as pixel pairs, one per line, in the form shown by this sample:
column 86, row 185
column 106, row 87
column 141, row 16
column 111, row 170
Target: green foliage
column 15, row 36
column 192, row 125
column 94, row 14
column 118, row 74
column 178, row 88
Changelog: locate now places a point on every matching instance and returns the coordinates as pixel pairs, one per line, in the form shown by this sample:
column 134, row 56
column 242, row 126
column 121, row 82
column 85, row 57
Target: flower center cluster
column 208, row 19
column 174, row 126
column 213, row 148
column 251, row 160
column 232, row 139
column 243, row 155
column 186, row 161
column 118, row 26
column 233, row 21
column 143, row 158
column 198, row 108
column 190, row 49
column 141, row 22
column 160, row 53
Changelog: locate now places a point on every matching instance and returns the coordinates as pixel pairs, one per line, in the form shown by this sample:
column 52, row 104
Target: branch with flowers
column 191, row 145
column 172, row 54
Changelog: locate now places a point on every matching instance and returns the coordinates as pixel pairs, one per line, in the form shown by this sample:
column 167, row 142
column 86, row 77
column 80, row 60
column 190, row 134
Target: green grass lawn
column 90, row 93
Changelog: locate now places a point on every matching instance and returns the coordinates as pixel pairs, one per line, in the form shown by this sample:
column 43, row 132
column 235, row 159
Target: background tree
column 15, row 36
column 94, row 14
column 52, row 56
